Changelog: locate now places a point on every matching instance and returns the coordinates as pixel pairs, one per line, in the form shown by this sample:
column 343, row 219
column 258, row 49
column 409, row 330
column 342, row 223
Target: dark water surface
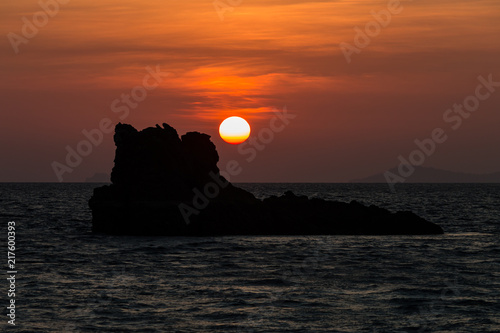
column 70, row 280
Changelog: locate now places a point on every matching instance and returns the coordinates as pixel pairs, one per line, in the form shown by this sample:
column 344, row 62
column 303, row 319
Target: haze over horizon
column 354, row 117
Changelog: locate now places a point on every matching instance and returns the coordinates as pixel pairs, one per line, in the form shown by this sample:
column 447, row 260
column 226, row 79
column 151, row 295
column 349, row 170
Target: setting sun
column 234, row 130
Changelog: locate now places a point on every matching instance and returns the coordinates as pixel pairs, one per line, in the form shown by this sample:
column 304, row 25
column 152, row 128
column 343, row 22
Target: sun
column 234, row 130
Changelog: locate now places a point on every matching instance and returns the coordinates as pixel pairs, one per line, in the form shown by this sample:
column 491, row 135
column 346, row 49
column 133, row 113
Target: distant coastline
column 433, row 175
column 421, row 175
column 99, row 178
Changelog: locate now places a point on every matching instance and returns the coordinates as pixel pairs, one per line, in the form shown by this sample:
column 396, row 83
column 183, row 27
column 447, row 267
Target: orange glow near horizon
column 263, row 56
column 234, row 130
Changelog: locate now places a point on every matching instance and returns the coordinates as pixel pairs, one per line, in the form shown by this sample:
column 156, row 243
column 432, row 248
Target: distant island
column 98, row 178
column 163, row 184
column 432, row 175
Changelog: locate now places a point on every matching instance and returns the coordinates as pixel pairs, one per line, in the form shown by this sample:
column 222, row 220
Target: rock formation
column 166, row 185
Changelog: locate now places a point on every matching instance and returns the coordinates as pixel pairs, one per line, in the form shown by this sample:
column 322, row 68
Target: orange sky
column 353, row 119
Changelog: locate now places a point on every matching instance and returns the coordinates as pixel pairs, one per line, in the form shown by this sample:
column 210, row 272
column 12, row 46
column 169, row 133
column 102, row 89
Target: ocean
column 70, row 280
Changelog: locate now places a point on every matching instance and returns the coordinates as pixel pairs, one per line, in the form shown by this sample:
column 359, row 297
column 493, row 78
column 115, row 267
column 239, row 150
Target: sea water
column 70, row 280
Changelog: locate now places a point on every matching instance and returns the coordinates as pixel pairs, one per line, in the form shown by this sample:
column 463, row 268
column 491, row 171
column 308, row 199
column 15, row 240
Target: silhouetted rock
column 166, row 185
